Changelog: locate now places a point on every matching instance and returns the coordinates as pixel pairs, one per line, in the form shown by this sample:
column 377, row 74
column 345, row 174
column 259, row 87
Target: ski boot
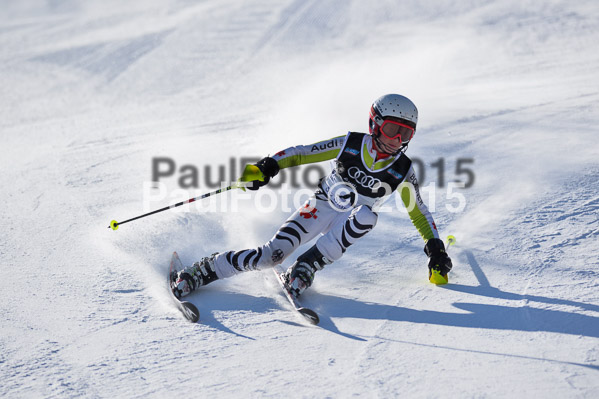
column 300, row 275
column 195, row 276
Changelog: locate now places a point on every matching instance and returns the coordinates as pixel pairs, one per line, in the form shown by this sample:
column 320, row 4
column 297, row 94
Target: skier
column 367, row 169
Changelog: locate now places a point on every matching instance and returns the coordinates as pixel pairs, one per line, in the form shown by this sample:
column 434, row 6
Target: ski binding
column 309, row 314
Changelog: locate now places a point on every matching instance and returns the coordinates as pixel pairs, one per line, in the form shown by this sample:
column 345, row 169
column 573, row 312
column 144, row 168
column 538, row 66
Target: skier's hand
column 268, row 168
column 439, row 262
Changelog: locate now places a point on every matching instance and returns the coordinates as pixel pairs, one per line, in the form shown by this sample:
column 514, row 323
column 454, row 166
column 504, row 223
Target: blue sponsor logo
column 395, row 173
column 352, row 151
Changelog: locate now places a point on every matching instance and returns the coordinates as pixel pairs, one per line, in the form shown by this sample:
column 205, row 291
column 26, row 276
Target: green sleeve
column 419, row 214
column 305, row 154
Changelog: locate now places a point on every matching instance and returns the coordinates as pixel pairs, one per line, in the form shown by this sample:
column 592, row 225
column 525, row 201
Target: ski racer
column 367, row 169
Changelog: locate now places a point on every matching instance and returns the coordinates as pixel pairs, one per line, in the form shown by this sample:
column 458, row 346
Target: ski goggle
column 393, row 130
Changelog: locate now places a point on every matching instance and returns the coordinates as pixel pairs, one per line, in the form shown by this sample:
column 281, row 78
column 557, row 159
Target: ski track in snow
column 92, row 92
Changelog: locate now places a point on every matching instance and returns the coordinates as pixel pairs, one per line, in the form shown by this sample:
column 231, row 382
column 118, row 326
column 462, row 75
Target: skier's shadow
column 211, row 301
column 485, row 289
column 480, row 316
column 498, row 317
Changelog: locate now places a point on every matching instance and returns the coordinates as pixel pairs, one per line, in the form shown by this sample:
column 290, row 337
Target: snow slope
column 93, row 91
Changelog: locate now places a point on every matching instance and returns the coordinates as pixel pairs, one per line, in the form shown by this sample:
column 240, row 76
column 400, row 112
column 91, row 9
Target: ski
column 309, row 314
column 188, row 309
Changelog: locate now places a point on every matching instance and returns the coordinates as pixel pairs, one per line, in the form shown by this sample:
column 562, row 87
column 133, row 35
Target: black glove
column 438, row 258
column 269, row 168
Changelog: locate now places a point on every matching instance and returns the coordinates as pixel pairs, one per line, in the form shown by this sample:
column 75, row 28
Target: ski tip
column 310, row 315
column 190, row 311
column 437, row 278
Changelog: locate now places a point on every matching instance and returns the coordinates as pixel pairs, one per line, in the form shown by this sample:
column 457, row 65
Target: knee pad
column 364, row 218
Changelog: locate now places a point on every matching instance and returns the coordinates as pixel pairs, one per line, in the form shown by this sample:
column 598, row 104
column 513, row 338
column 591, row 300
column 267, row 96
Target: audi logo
column 363, row 179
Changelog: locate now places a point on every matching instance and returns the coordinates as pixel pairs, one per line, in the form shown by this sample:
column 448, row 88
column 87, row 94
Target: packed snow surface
column 93, row 92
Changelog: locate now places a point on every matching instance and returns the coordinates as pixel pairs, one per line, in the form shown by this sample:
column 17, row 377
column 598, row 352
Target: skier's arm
column 417, row 210
column 268, row 167
column 439, row 263
column 303, row 154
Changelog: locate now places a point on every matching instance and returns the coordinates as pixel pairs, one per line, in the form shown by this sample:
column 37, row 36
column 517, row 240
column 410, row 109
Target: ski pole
column 251, row 173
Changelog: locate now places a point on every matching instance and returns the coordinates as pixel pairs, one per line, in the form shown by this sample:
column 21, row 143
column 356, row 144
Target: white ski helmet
column 396, row 109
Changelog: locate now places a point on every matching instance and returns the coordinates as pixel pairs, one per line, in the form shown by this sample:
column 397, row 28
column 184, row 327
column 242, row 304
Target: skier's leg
column 335, row 242
column 330, row 247
column 303, row 225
